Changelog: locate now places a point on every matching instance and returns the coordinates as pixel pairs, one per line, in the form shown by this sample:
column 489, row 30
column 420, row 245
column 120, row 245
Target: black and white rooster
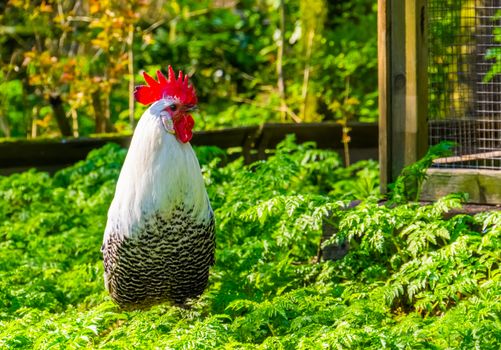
column 159, row 238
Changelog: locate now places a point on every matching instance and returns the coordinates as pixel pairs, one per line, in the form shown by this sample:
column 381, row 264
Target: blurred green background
column 68, row 68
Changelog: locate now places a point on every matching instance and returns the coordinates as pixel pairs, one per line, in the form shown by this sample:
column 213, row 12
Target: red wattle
column 183, row 126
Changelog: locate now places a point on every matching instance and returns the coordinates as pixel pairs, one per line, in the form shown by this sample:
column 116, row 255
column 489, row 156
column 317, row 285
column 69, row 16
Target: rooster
column 159, row 238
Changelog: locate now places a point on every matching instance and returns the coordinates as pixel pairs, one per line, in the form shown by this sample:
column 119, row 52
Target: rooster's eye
column 173, row 108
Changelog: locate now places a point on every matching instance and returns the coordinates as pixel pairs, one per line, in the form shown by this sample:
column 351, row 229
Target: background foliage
column 495, row 52
column 70, row 66
column 410, row 280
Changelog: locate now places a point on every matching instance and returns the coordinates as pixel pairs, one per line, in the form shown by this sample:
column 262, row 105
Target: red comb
column 155, row 90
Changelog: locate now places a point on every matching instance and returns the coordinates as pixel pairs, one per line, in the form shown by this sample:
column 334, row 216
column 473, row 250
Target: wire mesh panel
column 464, row 95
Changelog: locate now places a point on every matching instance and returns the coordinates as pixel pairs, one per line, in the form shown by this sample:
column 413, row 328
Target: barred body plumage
column 166, row 261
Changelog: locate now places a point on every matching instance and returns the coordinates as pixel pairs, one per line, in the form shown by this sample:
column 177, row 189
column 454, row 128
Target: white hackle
column 159, row 174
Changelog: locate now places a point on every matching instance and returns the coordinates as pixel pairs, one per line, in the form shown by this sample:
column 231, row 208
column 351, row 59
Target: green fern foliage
column 411, row 278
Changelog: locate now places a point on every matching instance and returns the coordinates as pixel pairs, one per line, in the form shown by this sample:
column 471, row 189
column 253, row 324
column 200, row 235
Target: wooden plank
column 363, row 144
column 19, row 155
column 482, row 186
column 468, row 158
column 416, row 128
column 326, row 135
column 49, row 152
column 398, row 81
column 384, row 70
column 224, row 138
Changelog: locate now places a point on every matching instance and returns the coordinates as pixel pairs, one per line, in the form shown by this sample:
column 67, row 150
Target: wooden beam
column 397, row 88
column 482, row 186
column 402, row 84
column 53, row 154
column 416, row 68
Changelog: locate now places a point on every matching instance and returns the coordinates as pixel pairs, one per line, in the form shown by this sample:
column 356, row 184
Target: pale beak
column 167, row 122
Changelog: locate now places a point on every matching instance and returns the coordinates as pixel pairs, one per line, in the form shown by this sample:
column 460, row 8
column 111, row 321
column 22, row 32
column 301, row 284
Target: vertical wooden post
column 384, row 10
column 416, row 68
column 403, row 81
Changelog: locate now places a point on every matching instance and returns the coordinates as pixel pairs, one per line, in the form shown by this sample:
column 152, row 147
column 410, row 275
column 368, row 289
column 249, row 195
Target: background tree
column 71, row 65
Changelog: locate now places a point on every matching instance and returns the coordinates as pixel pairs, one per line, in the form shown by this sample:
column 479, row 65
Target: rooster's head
column 173, row 100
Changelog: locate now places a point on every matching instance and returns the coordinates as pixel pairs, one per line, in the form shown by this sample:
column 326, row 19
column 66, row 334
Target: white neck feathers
column 159, row 174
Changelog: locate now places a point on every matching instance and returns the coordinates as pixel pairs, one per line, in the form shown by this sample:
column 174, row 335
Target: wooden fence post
column 403, row 100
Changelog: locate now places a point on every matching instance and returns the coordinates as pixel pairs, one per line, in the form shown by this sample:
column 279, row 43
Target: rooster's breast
column 166, row 260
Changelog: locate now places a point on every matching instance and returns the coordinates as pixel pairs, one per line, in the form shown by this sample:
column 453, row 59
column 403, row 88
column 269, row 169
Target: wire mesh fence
column 464, row 95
